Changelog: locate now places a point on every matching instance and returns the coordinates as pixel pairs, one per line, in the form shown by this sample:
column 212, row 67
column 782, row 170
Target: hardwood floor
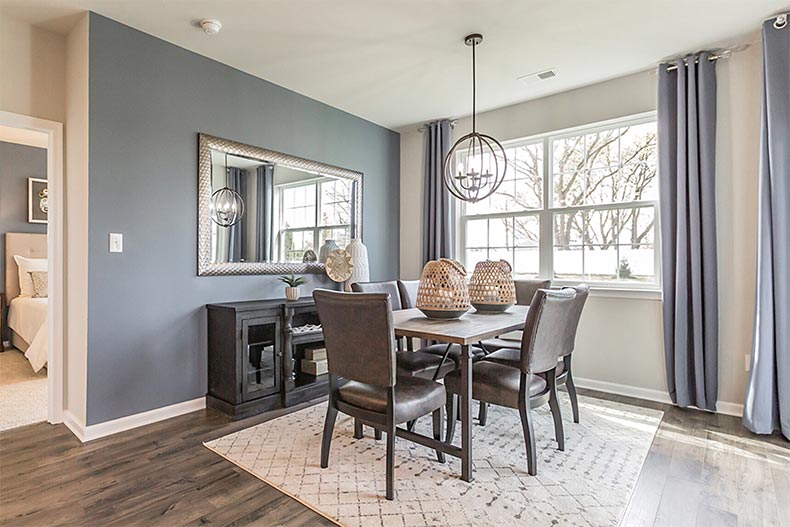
column 702, row 470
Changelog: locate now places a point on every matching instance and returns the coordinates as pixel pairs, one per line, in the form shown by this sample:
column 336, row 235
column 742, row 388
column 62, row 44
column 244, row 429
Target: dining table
column 469, row 329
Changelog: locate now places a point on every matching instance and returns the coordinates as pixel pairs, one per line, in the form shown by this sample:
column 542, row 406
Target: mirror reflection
column 268, row 212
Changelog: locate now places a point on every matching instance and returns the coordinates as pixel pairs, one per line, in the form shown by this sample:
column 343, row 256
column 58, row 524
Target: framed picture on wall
column 37, row 200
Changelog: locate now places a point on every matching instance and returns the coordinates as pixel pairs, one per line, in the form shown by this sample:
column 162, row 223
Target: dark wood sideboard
column 254, row 355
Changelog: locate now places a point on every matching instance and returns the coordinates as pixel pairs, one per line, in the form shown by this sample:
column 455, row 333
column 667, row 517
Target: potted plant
column 293, row 282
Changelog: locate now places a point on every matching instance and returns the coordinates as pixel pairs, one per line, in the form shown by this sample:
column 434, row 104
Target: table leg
column 466, row 414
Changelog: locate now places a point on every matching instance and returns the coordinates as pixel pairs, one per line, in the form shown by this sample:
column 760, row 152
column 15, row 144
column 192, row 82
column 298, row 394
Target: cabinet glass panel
column 260, row 366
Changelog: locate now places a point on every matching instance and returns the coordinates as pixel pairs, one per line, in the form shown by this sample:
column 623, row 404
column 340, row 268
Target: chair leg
column 329, row 426
column 410, row 425
column 438, row 417
column 556, row 414
column 390, row 462
column 529, row 437
column 358, row 430
column 482, row 414
column 571, row 387
column 377, row 434
column 451, row 417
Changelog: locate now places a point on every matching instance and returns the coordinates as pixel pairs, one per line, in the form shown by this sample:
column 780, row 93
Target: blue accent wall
column 17, row 164
column 148, row 101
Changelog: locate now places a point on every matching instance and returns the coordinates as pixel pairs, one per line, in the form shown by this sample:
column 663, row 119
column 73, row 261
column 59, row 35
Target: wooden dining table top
column 472, row 327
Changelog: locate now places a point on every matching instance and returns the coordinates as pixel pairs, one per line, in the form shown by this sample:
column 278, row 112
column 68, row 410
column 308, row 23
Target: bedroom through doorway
column 24, row 278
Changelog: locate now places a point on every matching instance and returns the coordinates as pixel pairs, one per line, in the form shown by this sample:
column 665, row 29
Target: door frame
column 56, row 255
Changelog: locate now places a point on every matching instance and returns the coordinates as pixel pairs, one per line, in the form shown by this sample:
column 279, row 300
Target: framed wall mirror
column 265, row 212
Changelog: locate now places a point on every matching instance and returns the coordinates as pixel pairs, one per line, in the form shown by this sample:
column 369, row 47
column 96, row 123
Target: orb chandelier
column 226, row 206
column 475, row 166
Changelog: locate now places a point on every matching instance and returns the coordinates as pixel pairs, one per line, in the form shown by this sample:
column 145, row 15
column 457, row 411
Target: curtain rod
column 424, row 127
column 721, row 54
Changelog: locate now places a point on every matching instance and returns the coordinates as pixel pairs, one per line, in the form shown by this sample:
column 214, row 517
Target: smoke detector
column 539, row 76
column 211, row 26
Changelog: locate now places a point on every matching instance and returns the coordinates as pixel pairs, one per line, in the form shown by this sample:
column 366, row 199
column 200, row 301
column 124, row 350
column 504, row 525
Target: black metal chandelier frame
column 475, row 185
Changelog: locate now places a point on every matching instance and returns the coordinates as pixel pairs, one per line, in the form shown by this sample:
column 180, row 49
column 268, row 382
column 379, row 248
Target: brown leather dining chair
column 533, row 383
column 510, row 357
column 525, row 290
column 360, row 347
column 413, row 363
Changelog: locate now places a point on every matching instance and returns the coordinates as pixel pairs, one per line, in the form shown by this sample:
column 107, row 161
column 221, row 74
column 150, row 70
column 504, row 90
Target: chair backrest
column 390, row 287
column 408, row 293
column 358, row 335
column 546, row 329
column 582, row 292
column 525, row 290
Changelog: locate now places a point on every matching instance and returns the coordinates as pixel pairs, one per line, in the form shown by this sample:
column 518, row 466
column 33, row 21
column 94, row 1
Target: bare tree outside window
column 601, row 205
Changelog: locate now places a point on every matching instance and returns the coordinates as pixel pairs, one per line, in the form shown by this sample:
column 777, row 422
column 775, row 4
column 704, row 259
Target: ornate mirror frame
column 208, row 142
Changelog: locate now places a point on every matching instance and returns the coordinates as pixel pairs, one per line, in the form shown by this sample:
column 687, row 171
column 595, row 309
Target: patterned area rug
column 587, row 485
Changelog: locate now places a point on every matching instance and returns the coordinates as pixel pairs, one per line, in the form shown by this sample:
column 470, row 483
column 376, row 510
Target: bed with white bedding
column 27, row 313
column 27, row 318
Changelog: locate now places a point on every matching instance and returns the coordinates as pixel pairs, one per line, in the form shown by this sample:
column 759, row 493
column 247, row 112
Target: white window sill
column 633, row 294
column 602, row 290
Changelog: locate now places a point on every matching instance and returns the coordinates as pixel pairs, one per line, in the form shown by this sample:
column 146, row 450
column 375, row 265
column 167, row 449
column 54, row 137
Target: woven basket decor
column 443, row 292
column 491, row 287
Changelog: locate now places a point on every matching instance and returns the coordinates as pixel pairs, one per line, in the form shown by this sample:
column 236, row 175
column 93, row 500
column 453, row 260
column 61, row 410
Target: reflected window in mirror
column 312, row 211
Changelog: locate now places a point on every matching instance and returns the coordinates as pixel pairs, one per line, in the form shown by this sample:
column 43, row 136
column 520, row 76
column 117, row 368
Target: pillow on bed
column 26, row 266
column 39, row 283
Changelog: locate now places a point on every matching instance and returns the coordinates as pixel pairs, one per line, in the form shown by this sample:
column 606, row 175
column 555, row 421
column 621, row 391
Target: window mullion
column 546, row 238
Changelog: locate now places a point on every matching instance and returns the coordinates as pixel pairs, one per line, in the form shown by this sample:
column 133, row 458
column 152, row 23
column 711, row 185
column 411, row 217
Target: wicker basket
column 443, row 292
column 491, row 287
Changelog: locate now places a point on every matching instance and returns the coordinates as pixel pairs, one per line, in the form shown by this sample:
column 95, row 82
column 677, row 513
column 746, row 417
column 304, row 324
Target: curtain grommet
column 780, row 22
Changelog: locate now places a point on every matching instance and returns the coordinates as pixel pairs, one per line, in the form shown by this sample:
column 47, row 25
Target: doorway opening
column 31, row 271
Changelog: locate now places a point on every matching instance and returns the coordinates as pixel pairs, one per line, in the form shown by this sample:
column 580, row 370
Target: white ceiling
column 397, row 62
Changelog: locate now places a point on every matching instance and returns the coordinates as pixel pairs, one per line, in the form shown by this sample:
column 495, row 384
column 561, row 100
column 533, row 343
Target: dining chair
column 533, row 383
column 363, row 381
column 413, row 363
column 510, row 357
column 525, row 290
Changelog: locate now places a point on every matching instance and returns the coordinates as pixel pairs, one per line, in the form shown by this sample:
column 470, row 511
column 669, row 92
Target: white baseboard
column 91, row 432
column 726, row 408
column 648, row 394
column 72, row 423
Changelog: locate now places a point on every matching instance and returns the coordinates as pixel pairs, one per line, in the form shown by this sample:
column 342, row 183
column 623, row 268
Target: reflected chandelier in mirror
column 265, row 212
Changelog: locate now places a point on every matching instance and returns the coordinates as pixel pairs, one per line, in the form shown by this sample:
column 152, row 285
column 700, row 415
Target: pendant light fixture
column 476, row 164
column 226, row 205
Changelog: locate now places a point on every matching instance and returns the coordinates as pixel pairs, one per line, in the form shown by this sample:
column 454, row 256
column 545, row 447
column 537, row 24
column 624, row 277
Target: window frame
column 546, row 213
column 316, row 227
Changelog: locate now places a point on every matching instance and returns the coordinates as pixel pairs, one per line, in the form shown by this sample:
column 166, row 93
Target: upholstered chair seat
column 455, row 352
column 414, row 397
column 496, row 384
column 424, row 365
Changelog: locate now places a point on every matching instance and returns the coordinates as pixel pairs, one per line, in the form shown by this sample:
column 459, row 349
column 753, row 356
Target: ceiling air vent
column 539, row 76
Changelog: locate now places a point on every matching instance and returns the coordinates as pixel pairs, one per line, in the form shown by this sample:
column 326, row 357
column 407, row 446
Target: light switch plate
column 116, row 242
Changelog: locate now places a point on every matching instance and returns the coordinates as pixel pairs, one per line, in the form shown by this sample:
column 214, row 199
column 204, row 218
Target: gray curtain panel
column 264, row 219
column 767, row 406
column 437, row 229
column 687, row 174
column 237, row 242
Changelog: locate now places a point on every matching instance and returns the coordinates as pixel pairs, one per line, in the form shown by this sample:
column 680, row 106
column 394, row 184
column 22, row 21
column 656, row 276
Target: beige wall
column 620, row 342
column 33, row 70
column 76, row 90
